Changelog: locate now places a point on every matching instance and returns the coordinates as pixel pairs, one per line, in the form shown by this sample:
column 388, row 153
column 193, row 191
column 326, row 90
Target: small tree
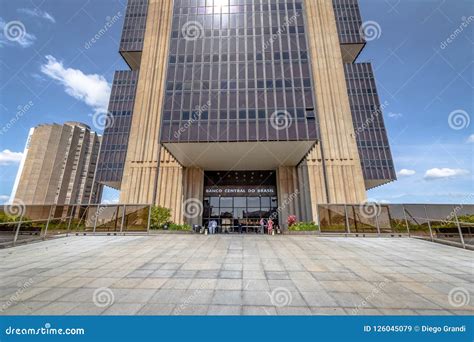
column 159, row 217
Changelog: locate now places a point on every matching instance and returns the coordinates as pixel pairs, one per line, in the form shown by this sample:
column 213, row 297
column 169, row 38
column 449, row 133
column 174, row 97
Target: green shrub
column 304, row 227
column 466, row 218
column 159, row 217
column 181, row 227
column 5, row 218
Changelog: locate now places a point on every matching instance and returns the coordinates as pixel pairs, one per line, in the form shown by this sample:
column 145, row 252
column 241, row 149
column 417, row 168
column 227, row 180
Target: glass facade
column 115, row 140
column 367, row 115
column 245, row 197
column 234, row 66
column 133, row 33
column 348, row 21
column 446, row 223
column 437, row 222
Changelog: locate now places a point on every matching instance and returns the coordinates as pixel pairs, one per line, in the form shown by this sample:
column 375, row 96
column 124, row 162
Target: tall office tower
column 246, row 107
column 58, row 166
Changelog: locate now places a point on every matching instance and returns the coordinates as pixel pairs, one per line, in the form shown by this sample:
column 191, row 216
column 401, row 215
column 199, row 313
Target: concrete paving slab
column 235, row 275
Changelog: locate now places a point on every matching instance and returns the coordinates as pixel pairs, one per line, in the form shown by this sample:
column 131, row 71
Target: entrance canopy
column 268, row 155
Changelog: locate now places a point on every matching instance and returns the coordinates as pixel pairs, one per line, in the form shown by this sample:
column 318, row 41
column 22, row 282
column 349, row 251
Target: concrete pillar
column 141, row 165
column 192, row 206
column 335, row 163
column 170, row 186
column 290, row 195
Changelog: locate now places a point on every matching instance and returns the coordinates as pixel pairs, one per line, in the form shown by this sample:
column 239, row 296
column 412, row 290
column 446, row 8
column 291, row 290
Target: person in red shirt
column 270, row 226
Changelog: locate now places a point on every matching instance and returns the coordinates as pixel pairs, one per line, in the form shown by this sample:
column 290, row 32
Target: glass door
column 228, row 212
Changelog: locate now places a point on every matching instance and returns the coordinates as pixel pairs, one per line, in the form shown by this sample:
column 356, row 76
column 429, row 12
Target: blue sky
column 52, row 74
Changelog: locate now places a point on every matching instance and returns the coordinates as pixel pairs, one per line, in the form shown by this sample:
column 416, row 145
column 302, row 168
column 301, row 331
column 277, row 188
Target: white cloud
column 110, row 201
column 437, row 173
column 4, row 199
column 92, row 89
column 14, row 32
column 8, row 157
column 406, row 173
column 395, row 115
column 36, row 12
column 470, row 139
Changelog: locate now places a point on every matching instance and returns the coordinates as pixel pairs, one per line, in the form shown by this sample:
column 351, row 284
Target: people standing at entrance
column 240, row 225
column 270, row 226
column 212, row 226
column 209, row 227
column 262, row 226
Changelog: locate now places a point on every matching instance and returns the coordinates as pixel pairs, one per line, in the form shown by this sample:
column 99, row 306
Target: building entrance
column 238, row 200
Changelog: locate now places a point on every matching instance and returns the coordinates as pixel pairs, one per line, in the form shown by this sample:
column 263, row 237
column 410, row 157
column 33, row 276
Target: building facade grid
column 248, row 65
column 367, row 115
column 133, row 33
column 117, row 130
column 349, row 21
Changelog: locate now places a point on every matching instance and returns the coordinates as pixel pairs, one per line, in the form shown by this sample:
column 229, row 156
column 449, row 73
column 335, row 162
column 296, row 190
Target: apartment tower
column 58, row 166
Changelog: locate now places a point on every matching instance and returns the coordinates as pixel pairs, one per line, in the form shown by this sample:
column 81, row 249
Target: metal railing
column 452, row 224
column 25, row 223
column 448, row 223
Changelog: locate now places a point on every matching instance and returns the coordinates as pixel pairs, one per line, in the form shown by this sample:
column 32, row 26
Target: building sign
column 240, row 191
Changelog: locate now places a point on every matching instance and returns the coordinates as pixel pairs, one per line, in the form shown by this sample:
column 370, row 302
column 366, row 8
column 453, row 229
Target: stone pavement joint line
column 235, row 275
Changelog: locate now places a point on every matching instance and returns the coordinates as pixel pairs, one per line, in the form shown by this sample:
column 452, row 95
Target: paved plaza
column 235, row 275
